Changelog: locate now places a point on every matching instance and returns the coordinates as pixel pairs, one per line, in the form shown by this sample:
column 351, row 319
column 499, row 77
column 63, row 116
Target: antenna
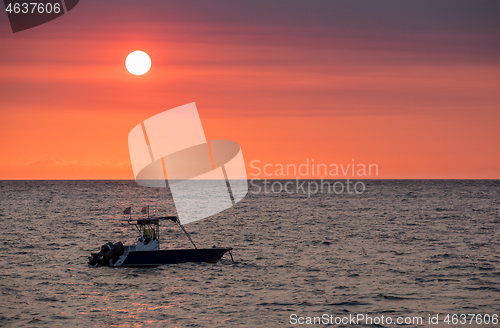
column 187, row 234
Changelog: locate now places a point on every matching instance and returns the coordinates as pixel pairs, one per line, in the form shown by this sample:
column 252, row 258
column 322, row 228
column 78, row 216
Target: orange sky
column 418, row 96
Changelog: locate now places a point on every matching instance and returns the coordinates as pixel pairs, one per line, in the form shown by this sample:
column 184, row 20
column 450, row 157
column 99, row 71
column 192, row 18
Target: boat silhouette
column 147, row 252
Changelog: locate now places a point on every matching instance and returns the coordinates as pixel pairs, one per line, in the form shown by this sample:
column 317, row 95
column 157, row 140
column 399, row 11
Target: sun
column 138, row 62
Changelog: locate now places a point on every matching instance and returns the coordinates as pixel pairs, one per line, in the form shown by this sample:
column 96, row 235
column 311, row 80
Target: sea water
column 401, row 248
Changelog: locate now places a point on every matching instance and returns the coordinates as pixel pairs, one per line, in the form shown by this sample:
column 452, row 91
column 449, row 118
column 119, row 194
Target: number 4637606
column 471, row 319
column 33, row 8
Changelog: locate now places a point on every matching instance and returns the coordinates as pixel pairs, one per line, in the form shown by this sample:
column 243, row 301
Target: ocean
column 401, row 249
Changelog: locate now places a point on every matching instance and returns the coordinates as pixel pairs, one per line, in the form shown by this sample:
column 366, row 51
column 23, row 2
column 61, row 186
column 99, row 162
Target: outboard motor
column 108, row 252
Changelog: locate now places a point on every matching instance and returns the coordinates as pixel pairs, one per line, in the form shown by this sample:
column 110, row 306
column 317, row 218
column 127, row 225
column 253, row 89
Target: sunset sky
column 412, row 86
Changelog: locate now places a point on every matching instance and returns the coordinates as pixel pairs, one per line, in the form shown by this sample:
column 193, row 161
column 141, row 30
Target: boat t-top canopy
column 154, row 223
column 154, row 220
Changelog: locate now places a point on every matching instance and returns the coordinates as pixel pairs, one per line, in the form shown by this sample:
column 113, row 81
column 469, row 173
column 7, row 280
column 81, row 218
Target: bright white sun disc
column 138, row 62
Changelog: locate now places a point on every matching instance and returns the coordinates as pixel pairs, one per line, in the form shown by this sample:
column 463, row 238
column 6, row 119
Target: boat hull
column 173, row 256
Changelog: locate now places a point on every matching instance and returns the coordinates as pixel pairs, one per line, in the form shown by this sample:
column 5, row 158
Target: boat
column 147, row 252
column 203, row 178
